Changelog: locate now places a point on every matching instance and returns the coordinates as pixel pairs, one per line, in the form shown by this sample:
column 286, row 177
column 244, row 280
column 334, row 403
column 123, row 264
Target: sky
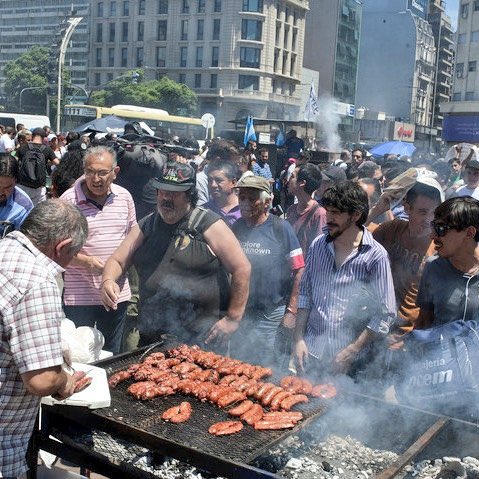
column 452, row 7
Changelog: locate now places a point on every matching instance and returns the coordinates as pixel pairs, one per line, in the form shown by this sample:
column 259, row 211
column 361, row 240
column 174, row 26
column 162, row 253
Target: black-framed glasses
column 441, row 230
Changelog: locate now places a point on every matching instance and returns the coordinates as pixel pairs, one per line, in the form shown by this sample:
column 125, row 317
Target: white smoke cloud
column 327, row 122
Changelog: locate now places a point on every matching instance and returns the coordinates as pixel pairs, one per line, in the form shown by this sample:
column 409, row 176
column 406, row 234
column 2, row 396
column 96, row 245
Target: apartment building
column 461, row 117
column 241, row 57
column 24, row 24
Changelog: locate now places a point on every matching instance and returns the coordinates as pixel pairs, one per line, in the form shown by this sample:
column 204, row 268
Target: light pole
column 72, row 23
column 28, row 88
column 134, row 76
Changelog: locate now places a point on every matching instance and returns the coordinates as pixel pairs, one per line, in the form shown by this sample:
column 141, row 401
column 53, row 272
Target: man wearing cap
column 409, row 245
column 110, row 212
column 276, row 258
column 471, row 180
column 180, row 252
column 38, row 193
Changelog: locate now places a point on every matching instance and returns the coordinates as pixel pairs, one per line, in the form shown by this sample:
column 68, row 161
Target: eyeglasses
column 101, row 173
column 441, row 230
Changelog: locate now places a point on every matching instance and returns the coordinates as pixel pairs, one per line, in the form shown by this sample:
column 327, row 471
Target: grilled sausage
column 268, row 425
column 269, row 395
column 261, row 373
column 241, row 408
column 293, row 416
column 226, row 427
column 253, row 415
column 184, row 413
column 276, row 402
column 263, row 390
column 230, row 398
column 290, row 401
column 306, row 388
column 324, row 391
column 292, row 384
column 82, row 383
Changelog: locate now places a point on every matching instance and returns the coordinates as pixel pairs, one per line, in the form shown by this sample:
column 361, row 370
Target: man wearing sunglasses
column 449, row 285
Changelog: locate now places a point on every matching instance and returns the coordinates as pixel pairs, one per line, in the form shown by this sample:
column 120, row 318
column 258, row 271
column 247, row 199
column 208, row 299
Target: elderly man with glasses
column 110, row 212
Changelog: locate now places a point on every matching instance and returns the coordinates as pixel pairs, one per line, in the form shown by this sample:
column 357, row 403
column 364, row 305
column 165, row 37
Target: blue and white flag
column 280, row 139
column 312, row 108
column 249, row 133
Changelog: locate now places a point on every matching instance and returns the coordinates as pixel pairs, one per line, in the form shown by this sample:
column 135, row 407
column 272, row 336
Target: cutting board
column 95, row 396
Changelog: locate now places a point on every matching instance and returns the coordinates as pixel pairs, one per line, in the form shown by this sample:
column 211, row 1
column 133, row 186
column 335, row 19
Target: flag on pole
column 280, row 139
column 312, row 108
column 249, row 133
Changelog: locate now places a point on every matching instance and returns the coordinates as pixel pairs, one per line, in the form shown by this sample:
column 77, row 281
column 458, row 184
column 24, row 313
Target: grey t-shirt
column 449, row 293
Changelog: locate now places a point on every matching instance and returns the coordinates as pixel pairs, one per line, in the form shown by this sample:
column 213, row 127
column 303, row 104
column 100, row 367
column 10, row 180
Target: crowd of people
column 150, row 241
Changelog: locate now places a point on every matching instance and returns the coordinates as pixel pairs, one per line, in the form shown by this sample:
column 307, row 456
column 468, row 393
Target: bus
column 30, row 121
column 160, row 121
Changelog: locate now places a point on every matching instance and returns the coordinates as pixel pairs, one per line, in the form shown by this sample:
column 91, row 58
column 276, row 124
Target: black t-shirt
column 47, row 152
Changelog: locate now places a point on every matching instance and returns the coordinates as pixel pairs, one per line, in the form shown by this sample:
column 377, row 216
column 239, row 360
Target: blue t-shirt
column 16, row 209
column 263, row 170
column 272, row 261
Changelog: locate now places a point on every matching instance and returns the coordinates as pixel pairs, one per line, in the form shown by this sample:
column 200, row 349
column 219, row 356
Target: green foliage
column 164, row 94
column 27, row 71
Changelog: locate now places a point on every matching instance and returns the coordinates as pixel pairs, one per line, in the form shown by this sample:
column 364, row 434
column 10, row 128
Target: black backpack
column 33, row 167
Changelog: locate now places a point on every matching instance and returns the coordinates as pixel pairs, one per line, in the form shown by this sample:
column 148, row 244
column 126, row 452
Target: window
column 99, row 10
column 160, row 56
column 98, row 57
column 185, row 8
column 97, row 78
column 475, row 36
column 111, row 57
column 124, row 32
column 184, row 30
column 126, row 8
column 139, row 57
column 456, row 96
column 199, row 57
column 216, row 29
column 286, row 37
column 162, row 30
column 182, row 78
column 217, row 6
column 141, row 7
column 99, row 32
column 248, row 82
column 200, row 29
column 111, row 32
column 464, row 10
column 293, row 65
column 201, row 6
column 251, row 30
column 141, row 31
column 471, row 66
column 476, row 5
column 294, row 39
column 124, row 57
column 295, row 18
column 214, row 81
column 113, row 8
column 459, row 70
column 162, row 7
column 183, row 56
column 469, row 96
column 461, row 38
column 286, row 15
column 215, row 53
column 109, row 77
column 285, row 62
column 253, row 6
column 198, row 80
column 250, row 57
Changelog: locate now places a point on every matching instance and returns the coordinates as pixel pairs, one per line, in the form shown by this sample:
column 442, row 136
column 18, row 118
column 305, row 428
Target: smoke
column 327, row 123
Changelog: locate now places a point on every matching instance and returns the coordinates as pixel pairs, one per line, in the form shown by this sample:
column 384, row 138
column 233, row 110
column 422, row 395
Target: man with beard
column 222, row 177
column 346, row 298
column 179, row 252
column 450, row 281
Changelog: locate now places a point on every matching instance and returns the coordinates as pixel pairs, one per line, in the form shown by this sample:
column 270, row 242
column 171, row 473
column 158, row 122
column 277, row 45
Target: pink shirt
column 107, row 228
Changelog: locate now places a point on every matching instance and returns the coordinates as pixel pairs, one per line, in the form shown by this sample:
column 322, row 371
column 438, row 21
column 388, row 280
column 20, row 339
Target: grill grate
column 243, row 447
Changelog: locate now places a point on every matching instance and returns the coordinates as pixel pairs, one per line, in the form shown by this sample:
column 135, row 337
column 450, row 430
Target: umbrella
column 393, row 148
column 107, row 124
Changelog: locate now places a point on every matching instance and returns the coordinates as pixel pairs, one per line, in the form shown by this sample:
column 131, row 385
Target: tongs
column 163, row 339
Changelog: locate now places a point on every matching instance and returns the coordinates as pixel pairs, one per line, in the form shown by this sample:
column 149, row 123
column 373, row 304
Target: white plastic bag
column 81, row 345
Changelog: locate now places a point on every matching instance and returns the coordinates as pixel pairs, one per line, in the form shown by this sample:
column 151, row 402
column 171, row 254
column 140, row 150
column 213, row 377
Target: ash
column 445, row 468
column 123, row 452
column 335, row 458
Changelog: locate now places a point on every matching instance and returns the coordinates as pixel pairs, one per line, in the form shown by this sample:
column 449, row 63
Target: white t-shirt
column 465, row 191
column 6, row 143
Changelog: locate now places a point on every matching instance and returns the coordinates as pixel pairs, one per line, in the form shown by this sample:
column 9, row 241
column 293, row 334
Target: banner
column 249, row 133
column 312, row 108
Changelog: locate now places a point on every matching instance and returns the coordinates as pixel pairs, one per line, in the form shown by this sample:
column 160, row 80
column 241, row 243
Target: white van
column 30, row 121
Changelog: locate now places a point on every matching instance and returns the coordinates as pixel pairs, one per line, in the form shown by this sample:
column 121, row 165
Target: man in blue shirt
column 15, row 205
column 261, row 167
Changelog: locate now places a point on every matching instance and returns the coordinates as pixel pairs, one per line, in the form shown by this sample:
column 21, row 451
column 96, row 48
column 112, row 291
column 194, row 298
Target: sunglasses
column 441, row 230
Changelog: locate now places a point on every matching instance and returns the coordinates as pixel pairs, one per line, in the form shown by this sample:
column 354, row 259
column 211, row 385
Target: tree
column 164, row 94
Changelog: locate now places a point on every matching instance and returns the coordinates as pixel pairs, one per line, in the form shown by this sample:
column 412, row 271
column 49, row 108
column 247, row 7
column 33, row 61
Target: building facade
column 461, row 117
column 24, row 24
column 332, row 41
column 241, row 57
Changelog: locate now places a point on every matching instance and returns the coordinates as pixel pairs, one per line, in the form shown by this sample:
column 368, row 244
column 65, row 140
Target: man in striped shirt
column 110, row 212
column 346, row 298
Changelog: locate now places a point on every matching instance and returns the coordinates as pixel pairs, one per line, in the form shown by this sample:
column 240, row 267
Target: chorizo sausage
column 230, row 398
column 226, row 427
column 324, row 391
column 290, row 401
column 241, row 408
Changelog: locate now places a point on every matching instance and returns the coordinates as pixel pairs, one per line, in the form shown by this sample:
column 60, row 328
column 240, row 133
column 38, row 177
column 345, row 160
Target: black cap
column 175, row 177
column 335, row 173
column 39, row 132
